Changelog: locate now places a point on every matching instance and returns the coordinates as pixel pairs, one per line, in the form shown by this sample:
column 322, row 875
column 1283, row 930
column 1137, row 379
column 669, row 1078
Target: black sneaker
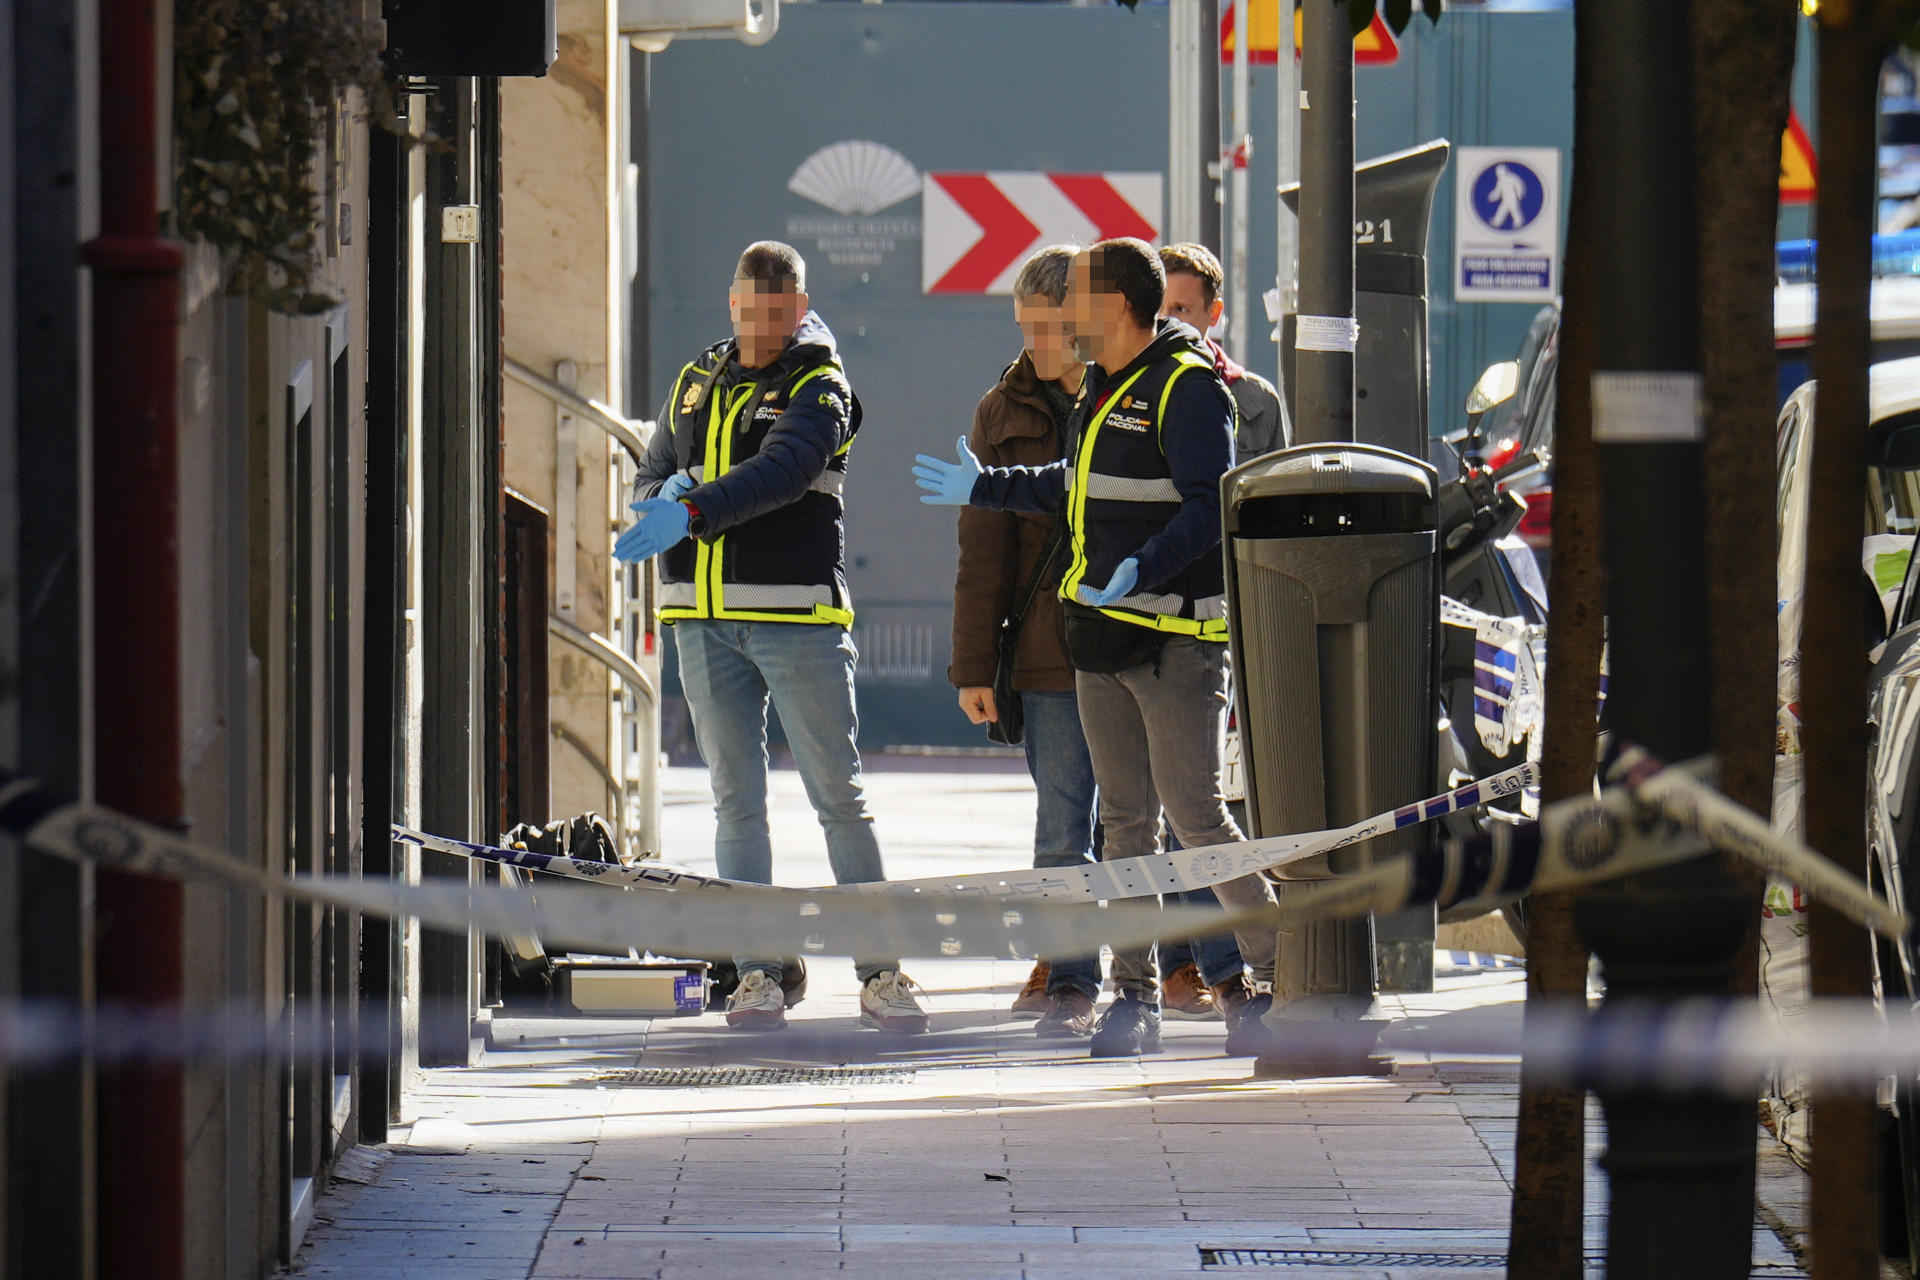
column 1127, row 1029
column 1247, row 1035
column 1069, row 1014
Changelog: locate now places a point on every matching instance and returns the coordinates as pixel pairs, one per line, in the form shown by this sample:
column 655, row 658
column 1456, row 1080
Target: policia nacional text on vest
column 784, row 565
column 1121, row 493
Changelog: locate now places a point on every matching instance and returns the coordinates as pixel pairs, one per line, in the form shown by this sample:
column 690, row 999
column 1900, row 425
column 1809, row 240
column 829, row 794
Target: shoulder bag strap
column 1011, row 626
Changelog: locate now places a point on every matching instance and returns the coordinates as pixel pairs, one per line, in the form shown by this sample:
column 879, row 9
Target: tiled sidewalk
column 974, row 1153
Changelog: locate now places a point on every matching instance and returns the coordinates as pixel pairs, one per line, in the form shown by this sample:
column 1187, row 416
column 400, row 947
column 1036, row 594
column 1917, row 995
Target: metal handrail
column 599, row 766
column 631, row 434
column 606, row 653
column 639, row 716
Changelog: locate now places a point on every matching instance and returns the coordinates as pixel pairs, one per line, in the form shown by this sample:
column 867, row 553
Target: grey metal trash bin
column 1392, row 208
column 1332, row 573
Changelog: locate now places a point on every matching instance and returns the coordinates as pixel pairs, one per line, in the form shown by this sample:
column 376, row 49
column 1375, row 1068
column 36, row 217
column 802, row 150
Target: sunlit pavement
column 616, row 1150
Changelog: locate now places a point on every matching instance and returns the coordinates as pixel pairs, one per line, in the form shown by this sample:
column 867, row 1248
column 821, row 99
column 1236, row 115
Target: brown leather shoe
column 1032, row 1001
column 1184, row 996
column 1069, row 1014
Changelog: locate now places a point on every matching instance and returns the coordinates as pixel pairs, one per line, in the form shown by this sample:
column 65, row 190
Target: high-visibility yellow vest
column 1122, row 494
column 784, row 565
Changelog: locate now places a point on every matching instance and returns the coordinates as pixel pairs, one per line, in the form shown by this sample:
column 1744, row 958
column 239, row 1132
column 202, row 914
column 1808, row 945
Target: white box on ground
column 635, row 988
column 1506, row 224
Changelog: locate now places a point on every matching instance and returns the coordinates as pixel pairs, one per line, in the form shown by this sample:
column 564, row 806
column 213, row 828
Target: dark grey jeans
column 1154, row 732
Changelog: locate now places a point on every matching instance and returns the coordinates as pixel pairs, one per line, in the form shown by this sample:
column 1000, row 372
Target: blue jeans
column 1063, row 820
column 730, row 671
column 1217, row 955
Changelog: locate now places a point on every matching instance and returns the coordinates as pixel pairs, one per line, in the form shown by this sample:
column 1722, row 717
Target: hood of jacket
column 1170, row 337
column 812, row 343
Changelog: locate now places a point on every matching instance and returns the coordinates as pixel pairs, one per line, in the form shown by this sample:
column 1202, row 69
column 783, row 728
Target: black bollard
column 1680, row 1165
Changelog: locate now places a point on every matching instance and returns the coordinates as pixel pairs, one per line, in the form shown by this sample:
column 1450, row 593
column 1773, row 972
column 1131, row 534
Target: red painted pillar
column 136, row 604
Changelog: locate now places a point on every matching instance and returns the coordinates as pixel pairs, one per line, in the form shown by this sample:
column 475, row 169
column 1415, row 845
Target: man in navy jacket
column 1145, row 593
column 741, row 496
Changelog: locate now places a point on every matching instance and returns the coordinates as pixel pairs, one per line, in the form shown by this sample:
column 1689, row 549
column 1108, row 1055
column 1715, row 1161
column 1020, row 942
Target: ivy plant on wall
column 254, row 81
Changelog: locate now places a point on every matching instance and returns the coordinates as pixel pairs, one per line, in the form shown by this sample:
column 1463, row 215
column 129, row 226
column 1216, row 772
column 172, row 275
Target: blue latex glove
column 671, row 488
column 662, row 523
column 947, row 484
column 1126, row 576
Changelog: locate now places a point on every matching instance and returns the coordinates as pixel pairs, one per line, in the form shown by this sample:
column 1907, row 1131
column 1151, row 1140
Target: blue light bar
column 1897, row 254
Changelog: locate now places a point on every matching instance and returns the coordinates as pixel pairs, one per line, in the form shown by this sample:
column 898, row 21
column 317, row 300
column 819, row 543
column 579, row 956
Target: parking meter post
column 1680, row 1165
column 1392, row 213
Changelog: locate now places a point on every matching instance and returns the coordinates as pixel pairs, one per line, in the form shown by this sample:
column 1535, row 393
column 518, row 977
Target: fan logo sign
column 1506, row 224
column 857, row 180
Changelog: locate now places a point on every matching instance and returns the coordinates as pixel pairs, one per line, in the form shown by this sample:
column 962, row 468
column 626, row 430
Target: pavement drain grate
column 1212, row 1257
column 1343, row 1258
column 737, row 1077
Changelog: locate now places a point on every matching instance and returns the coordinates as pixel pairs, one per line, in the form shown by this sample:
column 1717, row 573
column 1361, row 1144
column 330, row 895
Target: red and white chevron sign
column 977, row 228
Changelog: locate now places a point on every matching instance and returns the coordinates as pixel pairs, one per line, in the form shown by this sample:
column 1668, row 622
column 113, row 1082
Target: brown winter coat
column 1000, row 549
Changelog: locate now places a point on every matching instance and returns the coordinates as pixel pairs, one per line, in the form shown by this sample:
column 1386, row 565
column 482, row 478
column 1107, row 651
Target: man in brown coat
column 1004, row 559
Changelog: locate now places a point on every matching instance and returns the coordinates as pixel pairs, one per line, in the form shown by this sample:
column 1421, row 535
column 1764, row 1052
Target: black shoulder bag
column 1010, row 726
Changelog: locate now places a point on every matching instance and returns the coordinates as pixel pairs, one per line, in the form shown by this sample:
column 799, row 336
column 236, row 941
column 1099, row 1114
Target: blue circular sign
column 1508, row 196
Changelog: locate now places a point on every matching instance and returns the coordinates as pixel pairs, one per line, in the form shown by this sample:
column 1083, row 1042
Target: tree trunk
column 1743, row 87
column 1547, row 1231
column 1833, row 680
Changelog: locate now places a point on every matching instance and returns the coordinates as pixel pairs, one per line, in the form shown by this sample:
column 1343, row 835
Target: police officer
column 1151, row 435
column 1201, row 976
column 740, row 495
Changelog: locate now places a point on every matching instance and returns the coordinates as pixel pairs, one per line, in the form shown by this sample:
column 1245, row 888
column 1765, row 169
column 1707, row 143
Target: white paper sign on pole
column 1506, row 224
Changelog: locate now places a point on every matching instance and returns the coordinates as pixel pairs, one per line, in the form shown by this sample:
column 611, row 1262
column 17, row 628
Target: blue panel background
column 972, row 87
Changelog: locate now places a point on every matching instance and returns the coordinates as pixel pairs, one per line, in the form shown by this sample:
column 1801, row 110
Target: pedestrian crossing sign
column 1506, row 224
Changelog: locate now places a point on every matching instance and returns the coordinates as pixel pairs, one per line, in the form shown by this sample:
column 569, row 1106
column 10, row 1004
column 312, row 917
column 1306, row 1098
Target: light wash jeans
column 1063, row 819
column 730, row 671
column 1154, row 734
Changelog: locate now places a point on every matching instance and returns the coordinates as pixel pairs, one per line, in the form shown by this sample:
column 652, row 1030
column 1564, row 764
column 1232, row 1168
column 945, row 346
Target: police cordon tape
column 586, row 918
column 1631, row 828
column 1141, row 877
column 1698, row 1044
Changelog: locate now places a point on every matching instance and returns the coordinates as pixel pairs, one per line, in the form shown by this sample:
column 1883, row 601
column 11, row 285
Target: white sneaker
column 757, row 1004
column 887, row 1002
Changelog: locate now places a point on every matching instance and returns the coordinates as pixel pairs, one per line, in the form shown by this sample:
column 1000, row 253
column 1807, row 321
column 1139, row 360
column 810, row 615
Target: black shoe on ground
column 1069, row 1015
column 1247, row 1035
column 1127, row 1029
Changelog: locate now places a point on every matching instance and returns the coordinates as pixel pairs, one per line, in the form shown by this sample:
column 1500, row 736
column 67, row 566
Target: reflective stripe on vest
column 1130, row 489
column 709, row 595
column 1145, row 609
column 750, row 595
column 1147, row 602
column 830, row 482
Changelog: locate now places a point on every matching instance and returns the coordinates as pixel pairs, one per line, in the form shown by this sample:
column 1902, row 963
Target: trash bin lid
column 1328, row 468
